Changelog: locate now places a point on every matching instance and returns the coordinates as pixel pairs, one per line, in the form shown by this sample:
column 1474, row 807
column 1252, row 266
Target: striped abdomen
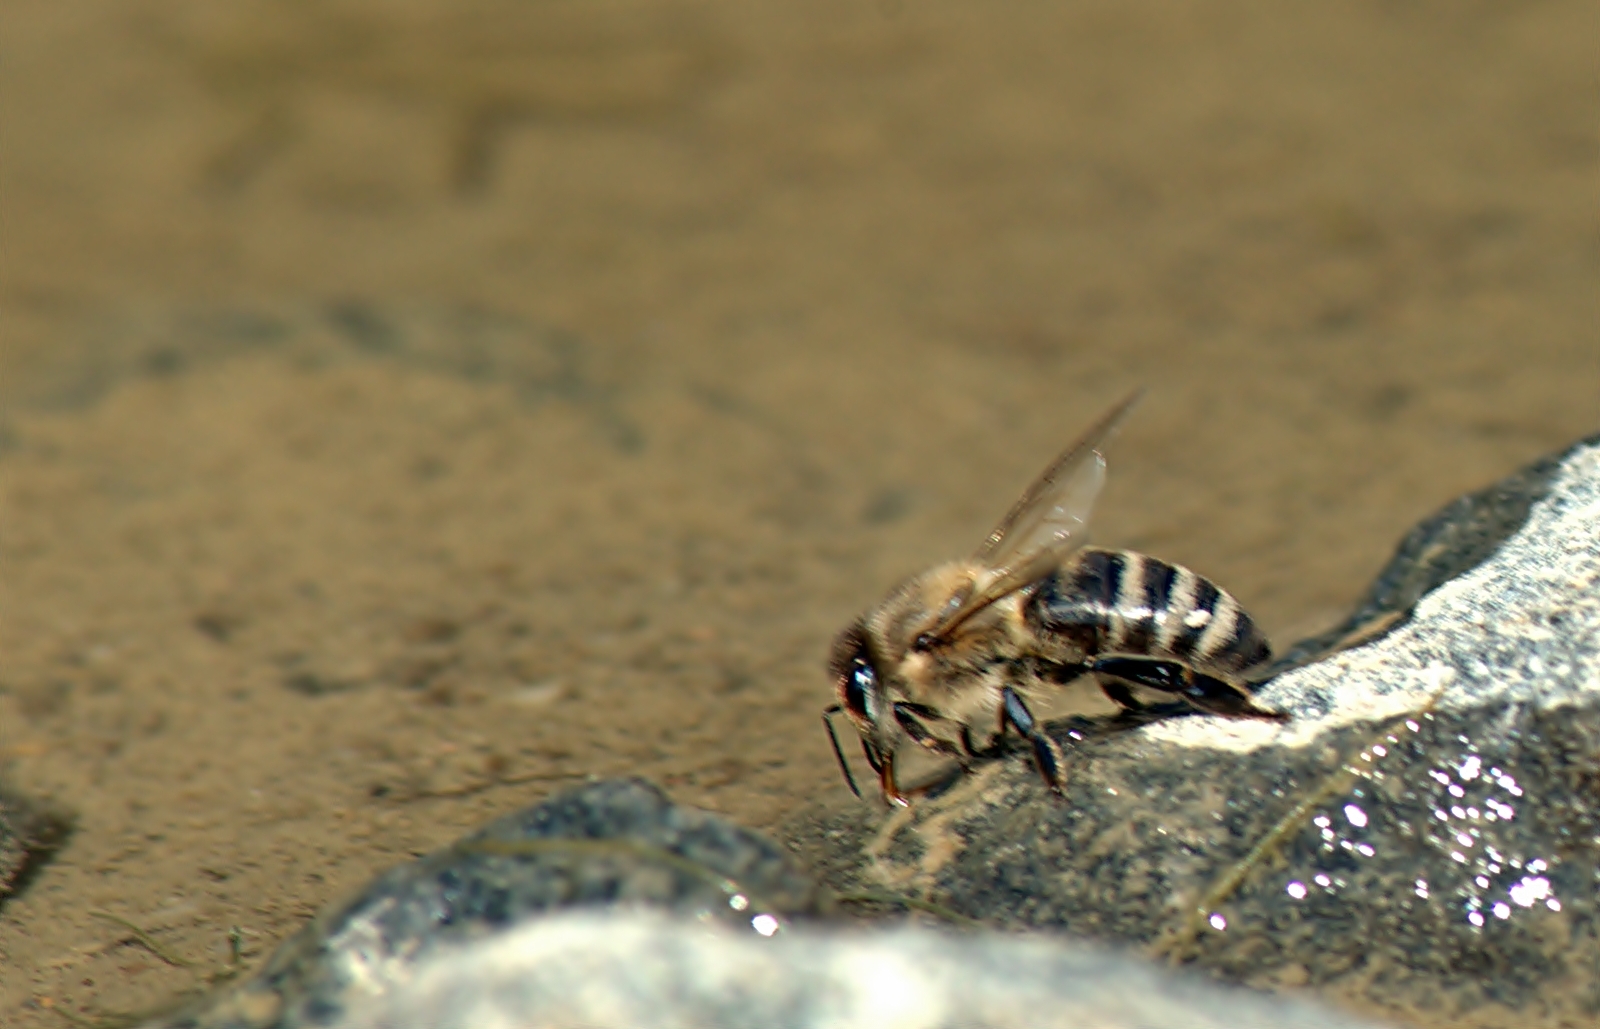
column 1120, row 602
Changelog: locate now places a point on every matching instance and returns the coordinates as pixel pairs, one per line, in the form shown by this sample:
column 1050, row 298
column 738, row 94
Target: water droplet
column 1217, row 921
column 1355, row 816
column 738, row 902
column 766, row 925
column 1296, row 889
column 1531, row 889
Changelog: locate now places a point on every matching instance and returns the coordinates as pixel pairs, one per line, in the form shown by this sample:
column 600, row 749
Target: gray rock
column 620, row 845
column 631, row 972
column 1450, row 543
column 1421, row 839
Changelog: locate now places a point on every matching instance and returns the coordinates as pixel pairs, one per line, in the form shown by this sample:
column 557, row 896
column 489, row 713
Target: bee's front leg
column 910, row 717
column 1046, row 754
column 891, row 787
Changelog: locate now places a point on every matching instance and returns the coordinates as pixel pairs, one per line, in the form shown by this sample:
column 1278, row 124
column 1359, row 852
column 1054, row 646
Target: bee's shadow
column 1069, row 732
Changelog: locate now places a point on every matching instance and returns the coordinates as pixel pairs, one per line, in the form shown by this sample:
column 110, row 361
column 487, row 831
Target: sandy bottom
column 408, row 408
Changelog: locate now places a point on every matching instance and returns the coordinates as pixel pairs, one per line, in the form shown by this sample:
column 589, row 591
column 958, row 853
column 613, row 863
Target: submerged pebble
column 31, row 831
column 617, row 845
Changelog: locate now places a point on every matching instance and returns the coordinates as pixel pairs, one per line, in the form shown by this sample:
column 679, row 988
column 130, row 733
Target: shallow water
column 408, row 408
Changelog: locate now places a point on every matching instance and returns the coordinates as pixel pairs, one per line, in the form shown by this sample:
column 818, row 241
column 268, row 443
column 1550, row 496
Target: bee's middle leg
column 1046, row 754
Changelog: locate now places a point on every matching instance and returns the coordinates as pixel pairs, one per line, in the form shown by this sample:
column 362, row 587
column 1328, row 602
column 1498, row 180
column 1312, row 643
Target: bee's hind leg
column 1207, row 692
column 1046, row 754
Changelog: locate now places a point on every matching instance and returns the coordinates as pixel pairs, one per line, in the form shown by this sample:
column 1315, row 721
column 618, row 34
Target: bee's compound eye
column 860, row 688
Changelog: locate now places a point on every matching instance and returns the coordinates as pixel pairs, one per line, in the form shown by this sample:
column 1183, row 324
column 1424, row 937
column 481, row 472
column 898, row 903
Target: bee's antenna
column 838, row 752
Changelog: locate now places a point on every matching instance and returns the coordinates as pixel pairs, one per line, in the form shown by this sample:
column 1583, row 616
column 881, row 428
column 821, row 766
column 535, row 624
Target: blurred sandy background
column 408, row 407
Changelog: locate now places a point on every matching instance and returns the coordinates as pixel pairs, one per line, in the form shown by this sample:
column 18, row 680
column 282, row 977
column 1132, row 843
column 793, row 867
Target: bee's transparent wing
column 1052, row 516
column 1049, row 520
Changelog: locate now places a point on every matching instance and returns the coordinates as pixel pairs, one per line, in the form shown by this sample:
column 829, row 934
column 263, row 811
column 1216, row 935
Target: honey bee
column 949, row 660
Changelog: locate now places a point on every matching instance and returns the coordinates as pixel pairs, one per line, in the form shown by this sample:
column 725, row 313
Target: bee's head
column 857, row 679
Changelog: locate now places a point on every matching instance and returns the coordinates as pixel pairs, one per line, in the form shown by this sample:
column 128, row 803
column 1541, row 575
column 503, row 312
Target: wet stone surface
column 619, row 845
column 1421, row 840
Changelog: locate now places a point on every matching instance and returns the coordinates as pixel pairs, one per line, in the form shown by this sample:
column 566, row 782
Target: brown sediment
column 403, row 412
